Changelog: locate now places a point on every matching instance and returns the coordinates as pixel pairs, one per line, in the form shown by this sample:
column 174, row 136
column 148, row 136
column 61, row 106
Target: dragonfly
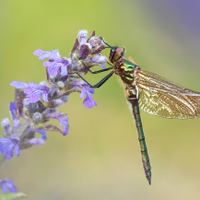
column 151, row 93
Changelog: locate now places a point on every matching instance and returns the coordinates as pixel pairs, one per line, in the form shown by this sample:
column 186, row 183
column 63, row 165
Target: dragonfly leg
column 100, row 83
column 96, row 72
column 109, row 63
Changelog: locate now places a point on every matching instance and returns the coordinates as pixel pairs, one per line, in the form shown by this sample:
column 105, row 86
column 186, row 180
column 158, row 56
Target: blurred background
column 100, row 157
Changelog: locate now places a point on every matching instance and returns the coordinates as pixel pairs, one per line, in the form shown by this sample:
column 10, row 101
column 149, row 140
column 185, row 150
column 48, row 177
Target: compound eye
column 119, row 53
column 112, row 53
column 116, row 54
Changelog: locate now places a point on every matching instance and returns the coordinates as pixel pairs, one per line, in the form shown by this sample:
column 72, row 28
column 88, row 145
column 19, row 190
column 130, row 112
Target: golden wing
column 161, row 97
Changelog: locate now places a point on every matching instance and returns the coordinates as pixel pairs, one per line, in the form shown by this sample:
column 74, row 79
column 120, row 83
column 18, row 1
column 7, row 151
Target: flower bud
column 65, row 98
column 60, row 84
column 5, row 123
column 37, row 117
column 43, row 83
column 57, row 103
column 26, row 102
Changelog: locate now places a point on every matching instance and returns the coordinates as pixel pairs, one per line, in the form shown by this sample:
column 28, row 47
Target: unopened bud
column 57, row 103
column 37, row 117
column 65, row 98
column 60, row 85
column 5, row 123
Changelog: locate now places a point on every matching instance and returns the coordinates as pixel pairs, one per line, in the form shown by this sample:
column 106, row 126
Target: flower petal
column 16, row 150
column 38, row 52
column 15, row 117
column 18, row 85
column 7, row 184
column 34, row 92
column 62, row 119
column 52, row 55
column 85, row 91
column 82, row 35
column 36, row 141
column 53, row 68
column 13, row 109
column 98, row 59
column 8, row 145
column 63, row 70
column 89, row 101
column 103, row 66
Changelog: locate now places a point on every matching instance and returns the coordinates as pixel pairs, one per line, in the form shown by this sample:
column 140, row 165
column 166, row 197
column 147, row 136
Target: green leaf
column 10, row 196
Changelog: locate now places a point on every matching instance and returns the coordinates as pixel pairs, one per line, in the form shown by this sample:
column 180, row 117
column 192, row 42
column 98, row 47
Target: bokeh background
column 100, row 157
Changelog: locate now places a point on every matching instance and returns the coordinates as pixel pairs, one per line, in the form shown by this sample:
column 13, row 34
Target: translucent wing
column 161, row 97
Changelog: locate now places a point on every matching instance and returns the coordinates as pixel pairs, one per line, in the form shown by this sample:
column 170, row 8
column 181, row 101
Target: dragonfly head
column 116, row 53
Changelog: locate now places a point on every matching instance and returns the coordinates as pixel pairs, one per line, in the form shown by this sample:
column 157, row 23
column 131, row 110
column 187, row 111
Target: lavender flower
column 21, row 135
column 55, row 61
column 7, row 145
column 37, row 141
column 85, row 91
column 35, row 104
column 61, row 72
column 33, row 91
column 87, row 51
column 62, row 119
column 7, row 184
column 14, row 115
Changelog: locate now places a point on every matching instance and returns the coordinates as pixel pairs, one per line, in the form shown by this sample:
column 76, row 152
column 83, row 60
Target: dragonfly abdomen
column 131, row 95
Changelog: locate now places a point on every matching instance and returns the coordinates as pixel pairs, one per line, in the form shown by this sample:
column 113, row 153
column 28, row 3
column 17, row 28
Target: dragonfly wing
column 161, row 97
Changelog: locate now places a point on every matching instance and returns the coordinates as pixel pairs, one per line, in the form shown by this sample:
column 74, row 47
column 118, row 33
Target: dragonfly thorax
column 125, row 71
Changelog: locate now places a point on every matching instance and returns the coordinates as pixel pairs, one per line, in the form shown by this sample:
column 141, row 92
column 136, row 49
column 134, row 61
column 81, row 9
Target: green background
column 100, row 157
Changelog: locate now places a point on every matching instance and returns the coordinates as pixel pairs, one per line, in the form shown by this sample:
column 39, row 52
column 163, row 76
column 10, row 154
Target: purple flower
column 96, row 42
column 7, row 184
column 52, row 55
column 13, row 109
column 15, row 117
column 37, row 141
column 85, row 91
column 18, row 85
column 88, row 50
column 102, row 66
column 55, row 61
column 82, row 36
column 33, row 91
column 7, row 145
column 62, row 75
column 98, row 59
column 84, row 46
column 62, row 119
column 88, row 101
